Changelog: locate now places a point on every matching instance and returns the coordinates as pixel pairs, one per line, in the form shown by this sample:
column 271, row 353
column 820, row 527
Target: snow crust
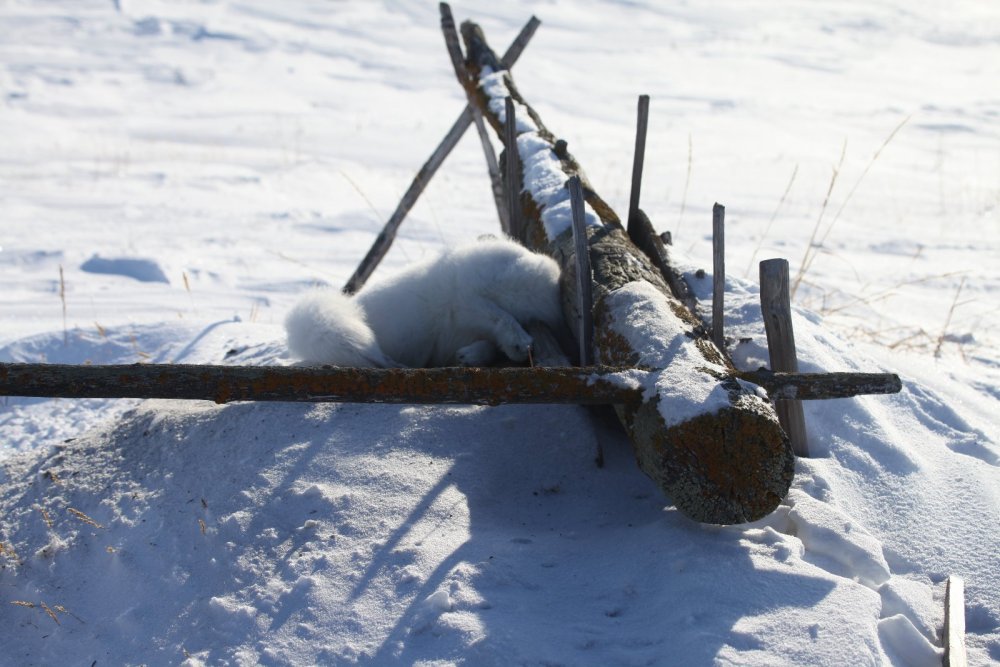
column 251, row 150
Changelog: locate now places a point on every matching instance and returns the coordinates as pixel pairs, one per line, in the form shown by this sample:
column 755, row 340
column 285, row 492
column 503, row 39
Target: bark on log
column 486, row 386
column 711, row 443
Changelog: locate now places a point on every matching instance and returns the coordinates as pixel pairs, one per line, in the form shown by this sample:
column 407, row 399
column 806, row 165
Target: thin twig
column 947, row 321
column 687, row 183
column 62, row 297
column 810, row 247
column 774, row 216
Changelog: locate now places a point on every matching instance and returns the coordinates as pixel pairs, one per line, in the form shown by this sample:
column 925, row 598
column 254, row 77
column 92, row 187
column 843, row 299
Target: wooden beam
column 776, row 309
column 222, row 384
column 388, row 234
column 382, row 385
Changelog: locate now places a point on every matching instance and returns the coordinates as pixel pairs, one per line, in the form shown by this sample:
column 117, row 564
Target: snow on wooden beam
column 709, row 440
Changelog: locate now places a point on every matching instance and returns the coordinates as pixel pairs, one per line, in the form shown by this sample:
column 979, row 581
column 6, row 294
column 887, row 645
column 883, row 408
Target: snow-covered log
column 710, row 440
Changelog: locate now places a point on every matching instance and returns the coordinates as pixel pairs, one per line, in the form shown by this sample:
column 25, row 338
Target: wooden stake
column 426, row 173
column 719, row 276
column 954, row 623
column 512, row 171
column 642, row 120
column 776, row 309
column 584, row 279
column 458, row 62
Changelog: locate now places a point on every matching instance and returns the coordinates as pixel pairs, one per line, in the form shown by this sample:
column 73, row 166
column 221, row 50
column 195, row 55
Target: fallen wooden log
column 597, row 385
column 711, row 442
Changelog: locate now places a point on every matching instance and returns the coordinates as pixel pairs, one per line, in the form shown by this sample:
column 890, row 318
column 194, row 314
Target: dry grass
column 83, row 517
column 812, row 249
column 62, row 297
column 777, row 209
column 687, row 184
column 947, row 321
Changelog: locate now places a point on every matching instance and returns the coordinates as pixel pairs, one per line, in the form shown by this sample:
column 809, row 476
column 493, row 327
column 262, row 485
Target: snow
column 683, row 379
column 242, row 152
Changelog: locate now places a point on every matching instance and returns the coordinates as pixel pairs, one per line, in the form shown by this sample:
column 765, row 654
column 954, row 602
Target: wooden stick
column 954, row 623
column 458, row 62
column 512, row 171
column 592, row 385
column 426, row 173
column 776, row 309
column 420, row 181
column 821, row 386
column 642, row 233
column 584, row 277
column 642, row 121
column 719, row 276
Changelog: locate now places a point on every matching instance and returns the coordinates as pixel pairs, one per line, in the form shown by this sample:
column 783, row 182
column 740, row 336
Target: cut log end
column 729, row 467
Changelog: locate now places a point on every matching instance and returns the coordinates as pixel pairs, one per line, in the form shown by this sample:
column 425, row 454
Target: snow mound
column 143, row 270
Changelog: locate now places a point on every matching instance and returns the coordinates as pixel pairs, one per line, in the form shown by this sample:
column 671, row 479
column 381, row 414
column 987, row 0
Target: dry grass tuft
column 45, row 517
column 62, row 297
column 83, row 517
column 51, row 613
column 687, row 183
column 947, row 320
column 813, row 246
column 777, row 209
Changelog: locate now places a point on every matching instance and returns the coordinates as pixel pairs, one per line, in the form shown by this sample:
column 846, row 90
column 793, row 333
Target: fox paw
column 480, row 353
column 515, row 343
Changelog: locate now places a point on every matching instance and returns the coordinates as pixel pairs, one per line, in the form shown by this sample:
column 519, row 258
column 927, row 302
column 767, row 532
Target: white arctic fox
column 460, row 308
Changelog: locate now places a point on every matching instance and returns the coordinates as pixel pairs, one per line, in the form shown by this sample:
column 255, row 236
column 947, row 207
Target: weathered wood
column 719, row 275
column 954, row 623
column 222, row 384
column 388, row 234
column 643, row 235
column 776, row 309
column 492, row 166
column 584, row 275
column 728, row 465
column 820, row 386
column 380, row 385
column 638, row 156
column 512, row 171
